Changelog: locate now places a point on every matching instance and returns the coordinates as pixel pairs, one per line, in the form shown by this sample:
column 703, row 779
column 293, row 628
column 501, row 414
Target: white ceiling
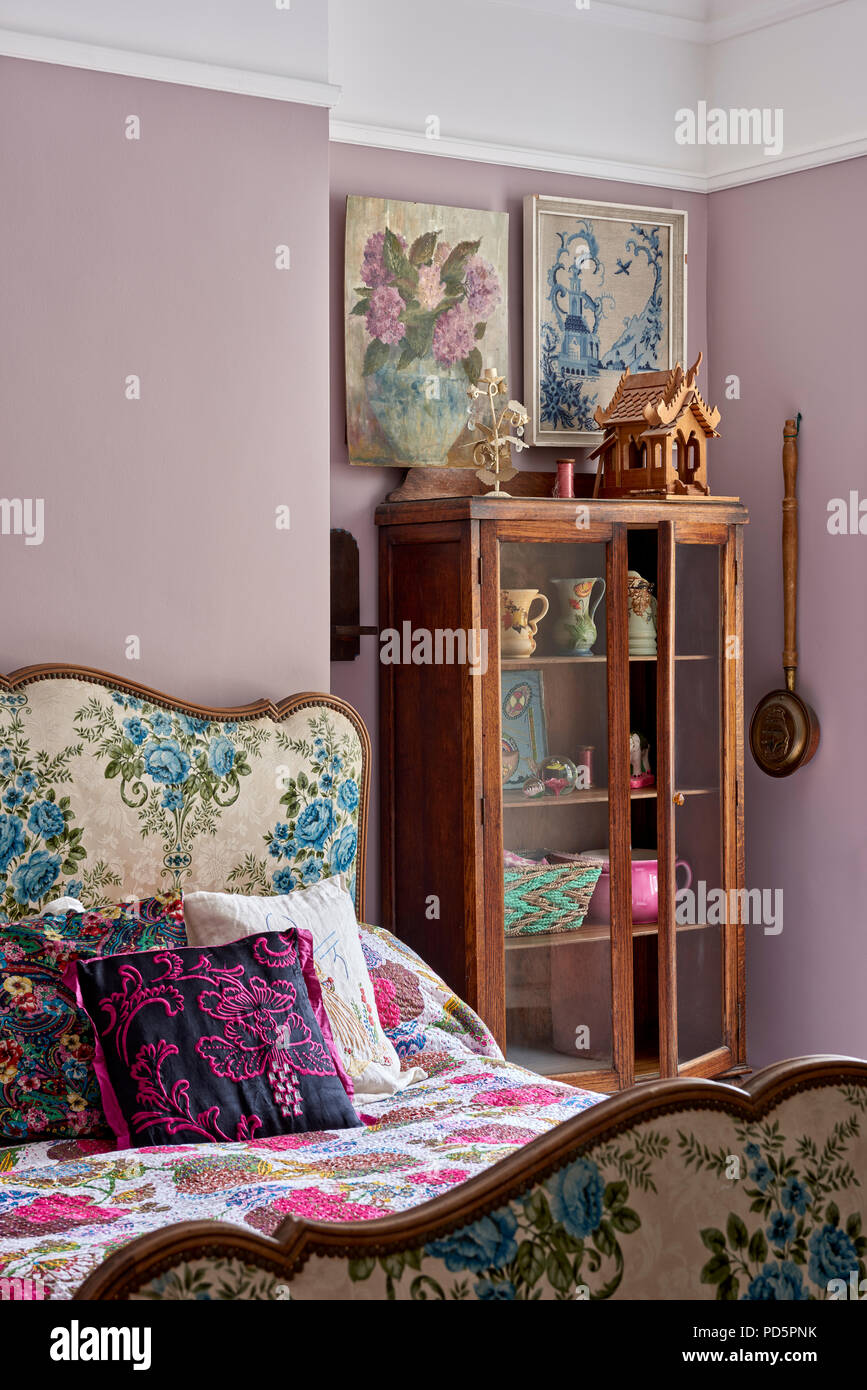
column 246, row 46
column 255, row 35
column 250, row 35
column 589, row 91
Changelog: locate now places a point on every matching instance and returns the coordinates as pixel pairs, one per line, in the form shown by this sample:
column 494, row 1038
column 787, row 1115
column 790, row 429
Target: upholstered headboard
column 110, row 790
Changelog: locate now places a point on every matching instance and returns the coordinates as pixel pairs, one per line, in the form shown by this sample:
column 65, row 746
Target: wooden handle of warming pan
column 790, row 551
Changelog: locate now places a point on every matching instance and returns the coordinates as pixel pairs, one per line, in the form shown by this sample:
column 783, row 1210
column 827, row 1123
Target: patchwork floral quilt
column 66, row 1205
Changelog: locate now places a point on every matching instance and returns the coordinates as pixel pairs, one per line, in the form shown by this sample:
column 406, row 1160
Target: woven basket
column 544, row 898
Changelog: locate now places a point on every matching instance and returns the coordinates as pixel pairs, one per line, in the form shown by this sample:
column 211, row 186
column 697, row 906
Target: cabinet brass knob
column 679, row 799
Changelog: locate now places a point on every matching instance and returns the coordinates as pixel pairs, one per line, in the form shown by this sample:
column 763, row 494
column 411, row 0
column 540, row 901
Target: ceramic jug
column 645, row 885
column 575, row 631
column 642, row 616
column 518, row 636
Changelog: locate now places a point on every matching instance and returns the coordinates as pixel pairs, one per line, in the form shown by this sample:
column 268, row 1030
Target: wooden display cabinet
column 608, row 1003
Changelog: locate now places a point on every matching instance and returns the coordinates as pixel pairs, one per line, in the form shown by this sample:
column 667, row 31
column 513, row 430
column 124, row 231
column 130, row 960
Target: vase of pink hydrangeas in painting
column 426, row 308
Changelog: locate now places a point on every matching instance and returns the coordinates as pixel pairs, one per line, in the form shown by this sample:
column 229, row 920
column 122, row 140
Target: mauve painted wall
column 157, row 257
column 355, row 492
column 786, row 314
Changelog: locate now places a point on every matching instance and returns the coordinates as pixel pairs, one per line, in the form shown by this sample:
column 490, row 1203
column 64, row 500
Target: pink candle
column 584, row 759
column 565, row 478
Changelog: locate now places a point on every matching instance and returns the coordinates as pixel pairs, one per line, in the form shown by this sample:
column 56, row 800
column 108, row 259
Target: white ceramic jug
column 642, row 616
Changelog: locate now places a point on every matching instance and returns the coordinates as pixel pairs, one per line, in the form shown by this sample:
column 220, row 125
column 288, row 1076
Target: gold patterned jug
column 518, row 629
column 642, row 616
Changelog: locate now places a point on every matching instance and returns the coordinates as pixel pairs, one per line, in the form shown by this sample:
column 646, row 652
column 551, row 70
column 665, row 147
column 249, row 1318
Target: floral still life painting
column 605, row 291
column 426, row 298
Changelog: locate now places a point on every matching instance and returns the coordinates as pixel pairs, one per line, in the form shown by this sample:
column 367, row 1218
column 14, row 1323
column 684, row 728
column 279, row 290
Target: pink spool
column 565, row 486
column 584, row 760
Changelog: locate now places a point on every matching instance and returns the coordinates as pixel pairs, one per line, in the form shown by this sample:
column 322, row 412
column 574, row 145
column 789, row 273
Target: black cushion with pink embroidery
column 212, row 1045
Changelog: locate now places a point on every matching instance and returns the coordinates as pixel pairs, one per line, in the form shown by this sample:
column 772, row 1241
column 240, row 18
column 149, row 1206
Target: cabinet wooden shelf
column 591, row 1072
column 642, row 1000
column 530, row 663
column 592, row 931
column 517, row 800
column 547, row 1062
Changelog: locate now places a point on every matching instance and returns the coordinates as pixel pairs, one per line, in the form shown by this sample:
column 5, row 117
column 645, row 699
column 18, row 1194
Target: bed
column 482, row 1181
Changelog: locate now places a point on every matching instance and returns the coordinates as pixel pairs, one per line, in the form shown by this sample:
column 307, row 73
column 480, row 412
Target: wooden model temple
column 656, row 430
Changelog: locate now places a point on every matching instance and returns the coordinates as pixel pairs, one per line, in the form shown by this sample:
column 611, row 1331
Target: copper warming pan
column 784, row 730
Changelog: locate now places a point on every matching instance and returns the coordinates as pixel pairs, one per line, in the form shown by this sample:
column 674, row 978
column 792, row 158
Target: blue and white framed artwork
column 604, row 290
column 524, row 726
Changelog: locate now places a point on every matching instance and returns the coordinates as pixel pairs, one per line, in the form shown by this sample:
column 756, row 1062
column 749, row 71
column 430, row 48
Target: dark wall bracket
column 346, row 631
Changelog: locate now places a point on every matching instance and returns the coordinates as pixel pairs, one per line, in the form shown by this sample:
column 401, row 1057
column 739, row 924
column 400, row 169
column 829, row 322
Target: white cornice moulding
column 275, row 87
column 814, row 157
column 669, row 24
column 764, row 16
column 543, row 161
column 156, row 68
column 548, row 162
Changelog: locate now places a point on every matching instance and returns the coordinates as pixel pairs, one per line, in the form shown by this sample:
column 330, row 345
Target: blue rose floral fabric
column 802, row 1236
column 318, row 837
column 186, row 796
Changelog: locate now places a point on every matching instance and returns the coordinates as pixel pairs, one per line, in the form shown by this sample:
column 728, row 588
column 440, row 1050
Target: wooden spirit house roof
column 657, row 400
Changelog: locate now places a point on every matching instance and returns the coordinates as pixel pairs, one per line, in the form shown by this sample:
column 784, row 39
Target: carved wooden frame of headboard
column 279, row 714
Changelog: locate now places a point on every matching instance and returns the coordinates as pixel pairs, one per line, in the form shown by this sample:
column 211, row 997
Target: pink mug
column 645, row 887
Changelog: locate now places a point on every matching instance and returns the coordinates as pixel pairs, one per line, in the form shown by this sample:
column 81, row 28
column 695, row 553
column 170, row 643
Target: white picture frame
column 624, row 259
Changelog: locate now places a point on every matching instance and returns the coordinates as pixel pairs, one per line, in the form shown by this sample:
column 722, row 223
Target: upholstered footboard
column 672, row 1190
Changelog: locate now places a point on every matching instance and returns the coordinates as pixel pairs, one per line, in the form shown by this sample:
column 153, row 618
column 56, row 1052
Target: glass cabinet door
column 676, row 664
column 646, row 705
column 704, row 899
column 554, row 676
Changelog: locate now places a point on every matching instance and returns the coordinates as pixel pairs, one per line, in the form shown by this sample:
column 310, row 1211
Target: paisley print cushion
column 146, row 924
column 48, row 1087
column 214, row 1045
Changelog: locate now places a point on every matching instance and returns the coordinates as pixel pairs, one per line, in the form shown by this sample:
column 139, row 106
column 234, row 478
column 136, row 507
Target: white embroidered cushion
column 60, row 905
column 327, row 911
